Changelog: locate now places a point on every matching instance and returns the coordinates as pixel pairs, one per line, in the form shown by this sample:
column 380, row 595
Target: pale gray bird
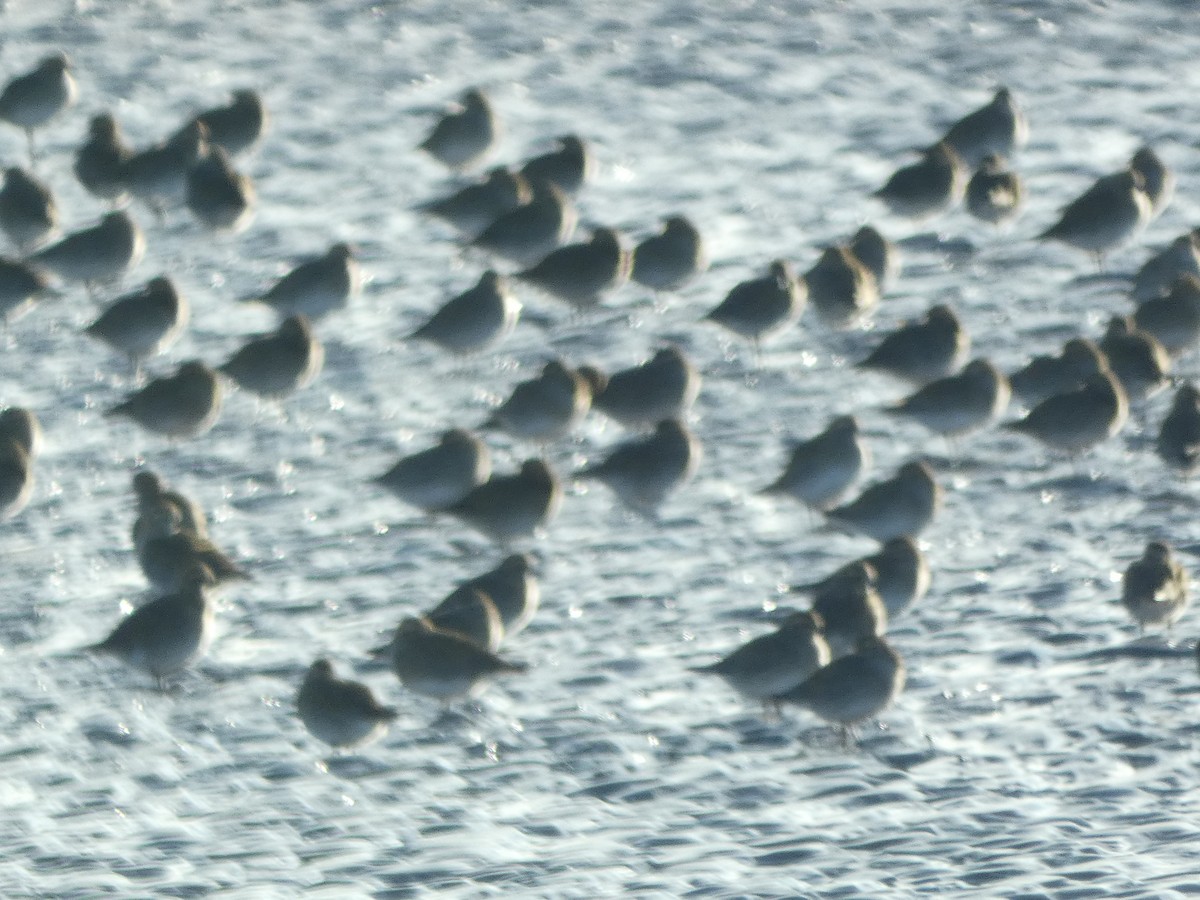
column 472, row 613
column 509, row 508
column 569, row 166
column 922, row 350
column 182, row 405
column 143, row 323
column 672, row 258
column 900, row 506
column 995, row 194
column 925, row 188
column 761, row 307
column 958, row 404
column 441, row 664
column 169, row 561
column 1173, row 319
column 1138, row 360
column 476, row 206
column 1155, row 588
column 1105, row 216
column 823, row 468
column 1044, row 376
column 840, row 288
column 28, row 213
column 338, row 712
column 1078, row 419
column 998, row 128
column 663, row 387
column 278, row 364
column 317, row 286
column 853, row 688
column 544, row 408
column 1163, row 269
column 514, row 590
column 20, row 287
column 877, row 253
column 902, row 575
column 441, row 475
column 1179, row 435
column 237, row 126
column 102, row 252
column 474, row 320
column 219, row 196
column 850, row 607
column 527, row 233
column 581, row 274
column 774, row 663
column 100, row 161
column 162, row 512
column 31, row 100
column 465, row 135
column 644, row 471
column 157, row 176
column 1159, row 180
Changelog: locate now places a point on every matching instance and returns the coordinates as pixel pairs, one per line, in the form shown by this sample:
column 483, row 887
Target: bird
column 478, row 318
column 528, row 232
column 998, row 128
column 338, row 712
column 840, row 288
column 1106, row 215
column 471, row 613
column 544, row 408
column 1158, row 179
column 20, row 426
column 1078, row 419
column 317, row 286
column 671, row 259
column 580, row 274
column 508, row 508
column 514, row 590
column 644, row 471
column 32, row 99
column 219, row 196
column 158, row 175
column 169, row 560
column 958, row 404
column 1173, row 319
column 772, row 664
column 465, row 135
column 821, row 469
column 900, row 506
column 902, row 575
column 441, row 664
column 143, row 323
column 441, row 475
column 1045, row 376
column 1160, row 272
column 277, row 364
column 167, row 634
column 850, row 607
column 922, row 350
column 185, row 404
column 663, row 387
column 472, row 208
column 1178, row 443
column 877, row 253
column 925, row 188
column 852, row 688
column 100, row 161
column 16, row 478
column 20, row 287
column 569, row 166
column 102, row 252
column 163, row 512
column 1154, row 589
column 761, row 307
column 237, row 126
column 28, row 212
column 994, row 193
column 1138, row 360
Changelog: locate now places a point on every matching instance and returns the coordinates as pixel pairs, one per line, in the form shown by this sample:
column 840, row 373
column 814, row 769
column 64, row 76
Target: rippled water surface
column 1041, row 749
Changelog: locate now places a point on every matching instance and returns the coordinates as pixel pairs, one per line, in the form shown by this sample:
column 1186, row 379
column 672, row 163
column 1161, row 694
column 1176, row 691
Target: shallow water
column 1041, row 748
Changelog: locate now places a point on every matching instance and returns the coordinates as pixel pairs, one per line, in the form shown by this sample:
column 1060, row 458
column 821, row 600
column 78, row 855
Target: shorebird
column 277, row 364
column 877, row 253
column 465, row 135
column 900, row 506
column 528, row 232
column 474, row 320
column 998, row 128
column 28, row 213
column 1078, row 419
column 143, row 323
column 761, row 307
column 20, row 287
column 1044, row 376
column 471, row 613
column 219, row 196
column 567, row 167
column 237, row 126
column 163, row 512
column 850, row 607
column 168, row 561
column 925, row 188
column 1173, row 319
column 508, row 508
column 441, row 475
column 644, row 471
column 472, row 208
column 182, row 405
column 442, row 664
column 338, row 712
column 158, row 175
column 544, row 408
column 841, row 289
column 1158, row 179
column 822, row 469
column 581, row 274
column 100, row 161
column 672, row 258
column 31, row 100
column 103, row 252
column 902, row 575
column 1155, row 588
column 514, row 591
column 1103, row 217
column 994, row 194
column 663, row 387
column 1179, row 435
column 922, row 350
column 317, row 286
column 958, row 404
column 1163, row 269
column 1138, row 360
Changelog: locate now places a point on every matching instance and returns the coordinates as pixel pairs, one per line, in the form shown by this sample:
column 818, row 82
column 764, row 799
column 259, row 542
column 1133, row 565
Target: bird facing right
column 1154, row 589
column 338, row 712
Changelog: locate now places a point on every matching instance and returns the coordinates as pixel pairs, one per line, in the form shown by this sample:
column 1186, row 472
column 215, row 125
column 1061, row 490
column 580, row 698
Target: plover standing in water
column 474, row 320
column 169, row 560
column 1159, row 180
column 338, row 712
column 544, row 408
column 28, row 213
column 162, row 511
column 1079, row 419
column 998, row 128
column 509, row 508
column 1105, row 216
column 580, row 274
column 841, row 289
column 100, row 161
column 1155, row 588
column 472, row 613
column 20, row 287
column 103, row 252
column 822, row 469
column 774, row 663
column 280, row 363
column 957, row 404
column 1138, row 360
column 143, row 323
column 663, row 387
column 464, row 136
column 317, row 286
column 182, row 405
column 514, row 590
column 902, row 575
column 476, row 206
column 1179, row 436
column 1174, row 319
column 850, row 607
column 1044, row 376
column 877, row 253
column 441, row 664
column 219, row 196
column 31, row 100
column 527, row 233
column 925, row 188
column 671, row 259
column 922, row 350
column 157, row 176
column 238, row 125
column 16, row 477
column 20, row 426
column 761, row 307
column 900, row 506
column 994, row 194
column 567, row 167
column 441, row 475
column 1161, row 271
column 644, row 471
